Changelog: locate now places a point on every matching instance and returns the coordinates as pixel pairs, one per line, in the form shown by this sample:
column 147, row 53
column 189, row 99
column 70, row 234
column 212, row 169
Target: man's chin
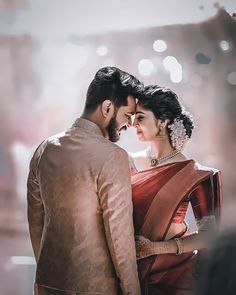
column 114, row 137
column 118, row 135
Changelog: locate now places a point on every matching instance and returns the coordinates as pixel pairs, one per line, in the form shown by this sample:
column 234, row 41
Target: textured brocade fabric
column 80, row 214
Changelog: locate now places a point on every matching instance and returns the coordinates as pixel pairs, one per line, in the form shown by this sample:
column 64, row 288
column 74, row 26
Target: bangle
column 179, row 246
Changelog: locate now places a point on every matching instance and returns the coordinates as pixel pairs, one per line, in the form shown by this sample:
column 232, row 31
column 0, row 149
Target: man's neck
column 93, row 117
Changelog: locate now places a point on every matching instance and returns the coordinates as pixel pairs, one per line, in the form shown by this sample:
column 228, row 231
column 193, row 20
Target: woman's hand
column 144, row 247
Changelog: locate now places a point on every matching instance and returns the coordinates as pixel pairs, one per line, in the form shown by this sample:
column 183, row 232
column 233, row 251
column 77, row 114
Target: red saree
column 160, row 197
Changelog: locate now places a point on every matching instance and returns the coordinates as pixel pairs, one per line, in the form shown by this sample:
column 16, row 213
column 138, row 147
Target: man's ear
column 106, row 108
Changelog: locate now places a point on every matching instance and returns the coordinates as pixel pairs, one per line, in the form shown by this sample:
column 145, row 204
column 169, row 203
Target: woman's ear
column 165, row 122
column 106, row 108
column 162, row 123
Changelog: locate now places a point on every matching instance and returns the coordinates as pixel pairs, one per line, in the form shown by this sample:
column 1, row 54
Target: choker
column 157, row 161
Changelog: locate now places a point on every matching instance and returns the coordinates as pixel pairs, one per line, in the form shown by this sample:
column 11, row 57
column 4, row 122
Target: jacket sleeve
column 114, row 189
column 35, row 207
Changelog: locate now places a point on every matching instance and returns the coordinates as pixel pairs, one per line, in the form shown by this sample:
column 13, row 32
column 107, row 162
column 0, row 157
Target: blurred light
column 159, row 45
column 224, row 45
column 196, row 80
column 232, row 78
column 102, row 50
column 174, row 67
column 176, row 75
column 145, row 67
column 169, row 62
column 22, row 260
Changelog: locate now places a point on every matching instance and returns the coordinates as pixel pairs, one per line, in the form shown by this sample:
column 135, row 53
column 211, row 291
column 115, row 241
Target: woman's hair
column 164, row 104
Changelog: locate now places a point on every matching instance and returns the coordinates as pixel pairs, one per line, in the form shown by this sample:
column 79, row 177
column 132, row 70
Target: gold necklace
column 156, row 161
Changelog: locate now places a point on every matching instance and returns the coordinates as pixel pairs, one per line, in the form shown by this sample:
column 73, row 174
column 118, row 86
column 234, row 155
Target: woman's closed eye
column 139, row 118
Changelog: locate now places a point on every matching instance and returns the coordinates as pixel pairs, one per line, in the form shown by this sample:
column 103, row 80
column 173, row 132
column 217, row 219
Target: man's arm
column 35, row 208
column 114, row 186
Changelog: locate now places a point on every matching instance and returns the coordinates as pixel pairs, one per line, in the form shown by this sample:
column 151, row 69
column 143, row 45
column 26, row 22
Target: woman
column 164, row 182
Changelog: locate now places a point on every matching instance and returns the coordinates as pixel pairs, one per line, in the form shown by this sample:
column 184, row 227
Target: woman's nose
column 135, row 121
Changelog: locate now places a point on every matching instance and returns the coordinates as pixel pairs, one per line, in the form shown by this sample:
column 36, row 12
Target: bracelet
column 179, row 246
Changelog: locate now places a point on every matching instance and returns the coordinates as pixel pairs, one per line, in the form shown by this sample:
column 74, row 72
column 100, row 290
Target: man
column 79, row 197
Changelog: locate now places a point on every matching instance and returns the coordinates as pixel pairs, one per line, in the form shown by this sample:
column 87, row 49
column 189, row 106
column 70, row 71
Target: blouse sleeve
column 202, row 201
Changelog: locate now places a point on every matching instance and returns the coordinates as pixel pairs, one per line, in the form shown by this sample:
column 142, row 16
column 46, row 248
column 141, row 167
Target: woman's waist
column 177, row 230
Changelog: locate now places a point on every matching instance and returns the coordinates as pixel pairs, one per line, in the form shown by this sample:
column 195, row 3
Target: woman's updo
column 164, row 104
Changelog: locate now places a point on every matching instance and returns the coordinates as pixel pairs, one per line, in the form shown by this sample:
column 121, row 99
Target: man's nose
column 129, row 123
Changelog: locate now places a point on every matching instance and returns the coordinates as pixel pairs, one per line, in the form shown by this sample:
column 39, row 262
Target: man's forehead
column 130, row 110
column 131, row 103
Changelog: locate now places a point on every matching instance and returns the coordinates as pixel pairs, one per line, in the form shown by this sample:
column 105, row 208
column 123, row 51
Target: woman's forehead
column 139, row 108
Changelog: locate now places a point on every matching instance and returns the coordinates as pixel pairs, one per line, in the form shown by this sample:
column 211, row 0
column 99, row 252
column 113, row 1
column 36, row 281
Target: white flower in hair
column 178, row 134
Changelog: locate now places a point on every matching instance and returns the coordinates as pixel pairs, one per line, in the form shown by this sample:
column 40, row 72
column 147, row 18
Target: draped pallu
column 160, row 197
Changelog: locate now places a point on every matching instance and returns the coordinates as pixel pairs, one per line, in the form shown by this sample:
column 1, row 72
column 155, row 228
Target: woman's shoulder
column 201, row 167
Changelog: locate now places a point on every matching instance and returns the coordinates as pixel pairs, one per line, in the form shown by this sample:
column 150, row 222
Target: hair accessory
column 178, row 134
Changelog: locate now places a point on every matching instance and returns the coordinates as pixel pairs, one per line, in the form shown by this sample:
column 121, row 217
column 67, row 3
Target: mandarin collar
column 88, row 125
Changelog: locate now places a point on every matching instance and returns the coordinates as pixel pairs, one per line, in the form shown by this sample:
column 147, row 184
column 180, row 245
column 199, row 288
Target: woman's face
column 145, row 123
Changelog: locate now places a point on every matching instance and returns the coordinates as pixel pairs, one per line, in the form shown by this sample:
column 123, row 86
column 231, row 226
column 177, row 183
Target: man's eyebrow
column 139, row 113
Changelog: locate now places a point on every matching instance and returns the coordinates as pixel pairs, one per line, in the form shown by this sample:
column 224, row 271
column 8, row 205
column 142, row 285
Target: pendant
column 154, row 162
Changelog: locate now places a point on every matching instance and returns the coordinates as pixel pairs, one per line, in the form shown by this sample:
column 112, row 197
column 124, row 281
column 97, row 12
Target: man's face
column 121, row 119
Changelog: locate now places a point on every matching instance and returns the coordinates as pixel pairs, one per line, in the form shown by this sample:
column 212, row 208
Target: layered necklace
column 156, row 161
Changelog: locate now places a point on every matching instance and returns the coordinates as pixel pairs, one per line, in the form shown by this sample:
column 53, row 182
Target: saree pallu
column 159, row 196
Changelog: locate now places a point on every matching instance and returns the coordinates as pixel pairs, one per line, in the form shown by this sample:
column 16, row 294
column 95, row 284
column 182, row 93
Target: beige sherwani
column 80, row 215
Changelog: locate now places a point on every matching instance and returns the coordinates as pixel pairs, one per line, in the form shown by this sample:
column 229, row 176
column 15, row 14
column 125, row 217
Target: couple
column 81, row 202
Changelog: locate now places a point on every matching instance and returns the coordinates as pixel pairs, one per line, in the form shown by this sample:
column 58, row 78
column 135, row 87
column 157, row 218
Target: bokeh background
column 50, row 51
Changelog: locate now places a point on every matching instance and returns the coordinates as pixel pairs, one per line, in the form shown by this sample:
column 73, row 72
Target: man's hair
column 113, row 84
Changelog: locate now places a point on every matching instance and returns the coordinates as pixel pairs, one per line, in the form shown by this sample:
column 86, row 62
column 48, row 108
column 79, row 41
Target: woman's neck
column 160, row 148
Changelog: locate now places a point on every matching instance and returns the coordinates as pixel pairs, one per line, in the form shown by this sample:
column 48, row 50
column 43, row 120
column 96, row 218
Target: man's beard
column 113, row 130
